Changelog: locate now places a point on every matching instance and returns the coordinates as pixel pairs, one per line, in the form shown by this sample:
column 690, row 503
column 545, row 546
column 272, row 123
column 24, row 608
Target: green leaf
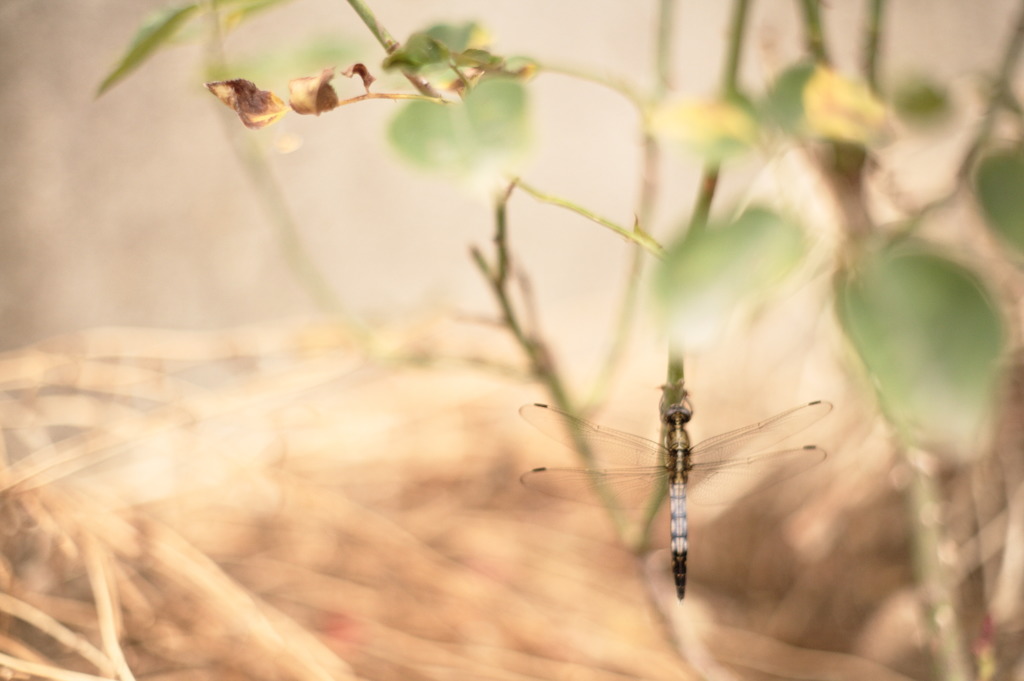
column 931, row 339
column 419, row 51
column 709, row 275
column 282, row 62
column 480, row 139
column 459, row 37
column 784, row 105
column 999, row 185
column 151, row 36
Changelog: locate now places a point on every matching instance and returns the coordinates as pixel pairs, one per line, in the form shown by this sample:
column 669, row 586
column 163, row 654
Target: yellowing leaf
column 841, row 109
column 312, row 95
column 712, row 128
column 257, row 108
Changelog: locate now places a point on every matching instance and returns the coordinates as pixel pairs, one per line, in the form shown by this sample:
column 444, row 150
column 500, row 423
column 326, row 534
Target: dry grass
column 262, row 504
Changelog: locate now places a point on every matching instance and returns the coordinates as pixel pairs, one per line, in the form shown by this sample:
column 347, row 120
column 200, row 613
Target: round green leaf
column 784, row 105
column 999, row 185
column 480, row 139
column 931, row 340
column 709, row 274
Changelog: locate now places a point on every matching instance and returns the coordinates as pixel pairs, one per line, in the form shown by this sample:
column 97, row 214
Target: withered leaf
column 257, row 108
column 362, row 72
column 313, row 94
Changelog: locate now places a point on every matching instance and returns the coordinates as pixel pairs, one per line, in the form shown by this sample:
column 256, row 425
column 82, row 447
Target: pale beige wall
column 130, row 209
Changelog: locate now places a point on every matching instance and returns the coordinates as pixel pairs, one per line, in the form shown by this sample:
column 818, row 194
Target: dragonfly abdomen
column 677, row 513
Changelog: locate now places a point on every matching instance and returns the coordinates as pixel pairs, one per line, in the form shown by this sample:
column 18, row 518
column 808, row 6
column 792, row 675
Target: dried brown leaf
column 257, row 108
column 362, row 72
column 313, row 94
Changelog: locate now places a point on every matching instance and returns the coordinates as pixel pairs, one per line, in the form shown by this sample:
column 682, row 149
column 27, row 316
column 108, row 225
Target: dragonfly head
column 681, row 411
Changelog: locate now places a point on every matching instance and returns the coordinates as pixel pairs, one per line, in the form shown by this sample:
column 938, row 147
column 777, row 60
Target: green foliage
column 154, row 34
column 284, row 62
column 479, row 140
column 163, row 26
column 442, row 45
column 707, row 275
column 930, row 338
column 999, row 186
column 783, row 107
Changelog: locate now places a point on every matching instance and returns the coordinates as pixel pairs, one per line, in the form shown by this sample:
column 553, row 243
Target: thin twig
column 254, row 161
column 390, row 45
column 1001, row 94
column 540, row 359
column 391, row 95
column 646, row 204
column 730, row 89
column 639, row 237
column 872, row 43
column 814, row 34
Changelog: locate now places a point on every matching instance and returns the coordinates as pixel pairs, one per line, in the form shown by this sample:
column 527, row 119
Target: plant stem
column 270, row 193
column 663, row 48
column 639, row 237
column 614, row 85
column 1000, row 95
column 872, row 43
column 540, row 360
column 814, row 33
column 730, row 78
column 390, row 95
column 390, row 45
column 924, row 510
column 646, row 203
column 370, row 19
column 730, row 89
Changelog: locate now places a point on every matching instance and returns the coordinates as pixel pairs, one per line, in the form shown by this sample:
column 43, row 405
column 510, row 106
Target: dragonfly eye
column 681, row 410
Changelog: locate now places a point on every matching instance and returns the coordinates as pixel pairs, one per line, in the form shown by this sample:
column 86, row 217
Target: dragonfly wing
column 726, row 481
column 605, row 448
column 626, row 487
column 736, row 444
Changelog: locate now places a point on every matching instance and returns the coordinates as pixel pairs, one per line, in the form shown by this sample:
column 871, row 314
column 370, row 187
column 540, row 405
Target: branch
column 872, row 42
column 637, row 236
column 390, row 45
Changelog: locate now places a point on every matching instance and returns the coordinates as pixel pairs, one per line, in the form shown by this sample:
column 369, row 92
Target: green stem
column 730, row 88
column 814, row 33
column 617, row 86
column 639, row 237
column 924, row 509
column 663, row 49
column 1001, row 94
column 730, row 79
column 270, row 193
column 296, row 254
column 370, row 19
column 390, row 45
column 646, row 203
column 872, row 43
column 541, row 363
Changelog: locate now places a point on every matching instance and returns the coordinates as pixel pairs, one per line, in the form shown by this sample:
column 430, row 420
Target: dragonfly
column 629, row 470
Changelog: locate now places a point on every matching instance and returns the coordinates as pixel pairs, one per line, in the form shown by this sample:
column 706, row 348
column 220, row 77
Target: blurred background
column 202, row 465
